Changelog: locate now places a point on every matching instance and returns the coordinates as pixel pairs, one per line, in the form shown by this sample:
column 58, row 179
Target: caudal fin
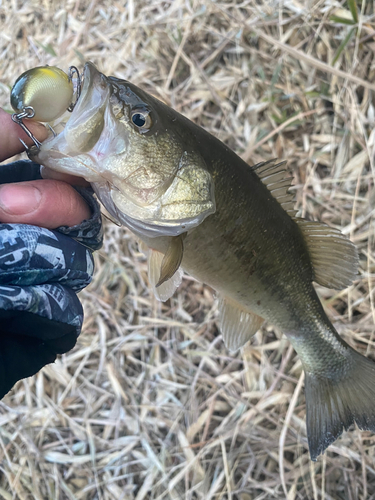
column 334, row 405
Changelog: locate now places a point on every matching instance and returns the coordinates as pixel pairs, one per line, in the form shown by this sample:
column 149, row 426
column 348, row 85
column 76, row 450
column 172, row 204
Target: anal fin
column 237, row 324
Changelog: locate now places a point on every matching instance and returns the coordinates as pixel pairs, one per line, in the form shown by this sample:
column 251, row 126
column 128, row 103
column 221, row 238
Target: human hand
column 40, row 270
column 48, row 203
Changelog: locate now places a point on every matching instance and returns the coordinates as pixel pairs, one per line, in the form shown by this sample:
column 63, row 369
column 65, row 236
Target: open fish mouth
column 81, row 132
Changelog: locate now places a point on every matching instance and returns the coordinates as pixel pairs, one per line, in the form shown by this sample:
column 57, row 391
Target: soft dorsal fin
column 333, row 256
column 237, row 324
column 274, row 176
column 165, row 290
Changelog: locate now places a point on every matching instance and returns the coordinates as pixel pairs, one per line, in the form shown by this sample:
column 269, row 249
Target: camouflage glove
column 40, row 272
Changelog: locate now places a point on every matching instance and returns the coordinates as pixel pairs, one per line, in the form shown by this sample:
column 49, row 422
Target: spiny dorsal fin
column 274, row 177
column 237, row 324
column 333, row 256
column 164, row 291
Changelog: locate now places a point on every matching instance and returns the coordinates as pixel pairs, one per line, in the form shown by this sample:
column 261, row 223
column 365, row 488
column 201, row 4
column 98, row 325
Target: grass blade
column 343, row 44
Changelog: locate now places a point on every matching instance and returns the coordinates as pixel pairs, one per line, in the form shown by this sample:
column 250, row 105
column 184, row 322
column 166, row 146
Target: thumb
column 45, row 203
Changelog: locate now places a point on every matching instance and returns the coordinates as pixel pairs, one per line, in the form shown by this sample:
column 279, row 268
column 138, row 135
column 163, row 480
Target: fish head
column 135, row 152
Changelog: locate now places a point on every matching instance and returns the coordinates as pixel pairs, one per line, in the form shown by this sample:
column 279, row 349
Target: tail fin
column 334, row 405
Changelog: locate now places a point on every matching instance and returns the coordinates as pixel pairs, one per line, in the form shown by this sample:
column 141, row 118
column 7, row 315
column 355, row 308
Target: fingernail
column 17, row 199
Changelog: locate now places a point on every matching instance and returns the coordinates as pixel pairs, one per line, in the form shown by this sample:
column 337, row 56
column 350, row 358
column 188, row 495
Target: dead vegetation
column 150, row 404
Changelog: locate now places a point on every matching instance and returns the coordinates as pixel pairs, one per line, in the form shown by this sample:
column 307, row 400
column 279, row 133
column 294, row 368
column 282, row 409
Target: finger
column 45, row 203
column 10, row 133
column 48, row 173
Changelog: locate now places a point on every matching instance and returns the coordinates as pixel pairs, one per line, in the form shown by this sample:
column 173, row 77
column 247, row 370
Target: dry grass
column 150, row 405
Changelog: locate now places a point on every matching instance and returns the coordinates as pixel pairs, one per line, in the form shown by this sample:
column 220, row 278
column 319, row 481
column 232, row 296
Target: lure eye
column 142, row 120
column 47, row 90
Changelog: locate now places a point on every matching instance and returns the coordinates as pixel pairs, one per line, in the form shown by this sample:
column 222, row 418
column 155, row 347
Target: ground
column 150, row 404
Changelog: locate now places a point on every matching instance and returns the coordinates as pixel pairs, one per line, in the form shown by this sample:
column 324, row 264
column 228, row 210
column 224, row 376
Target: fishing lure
column 43, row 94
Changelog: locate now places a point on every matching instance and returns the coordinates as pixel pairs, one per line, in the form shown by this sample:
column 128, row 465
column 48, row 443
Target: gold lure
column 43, row 94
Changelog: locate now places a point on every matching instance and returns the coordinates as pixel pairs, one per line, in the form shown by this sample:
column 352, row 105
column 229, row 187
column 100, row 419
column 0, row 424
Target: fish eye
column 141, row 120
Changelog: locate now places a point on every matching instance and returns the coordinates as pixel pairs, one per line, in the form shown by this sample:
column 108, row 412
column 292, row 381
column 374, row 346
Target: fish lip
column 91, row 76
column 87, row 76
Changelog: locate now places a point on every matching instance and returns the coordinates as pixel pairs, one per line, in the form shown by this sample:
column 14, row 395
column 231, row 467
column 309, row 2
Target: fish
column 199, row 208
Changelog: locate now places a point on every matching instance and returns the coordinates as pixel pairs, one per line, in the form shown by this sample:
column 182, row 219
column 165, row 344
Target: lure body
column 46, row 89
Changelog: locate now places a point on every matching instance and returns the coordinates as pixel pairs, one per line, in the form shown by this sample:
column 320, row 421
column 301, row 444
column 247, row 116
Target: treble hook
column 27, row 112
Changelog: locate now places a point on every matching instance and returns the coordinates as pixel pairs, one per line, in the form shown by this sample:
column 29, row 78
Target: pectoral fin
column 237, row 324
column 166, row 289
column 171, row 260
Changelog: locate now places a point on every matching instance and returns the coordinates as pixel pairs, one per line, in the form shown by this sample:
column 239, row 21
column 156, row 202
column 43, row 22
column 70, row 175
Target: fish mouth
column 86, row 124
column 92, row 92
column 81, row 131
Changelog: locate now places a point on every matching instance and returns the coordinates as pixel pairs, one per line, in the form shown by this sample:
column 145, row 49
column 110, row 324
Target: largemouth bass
column 199, row 207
